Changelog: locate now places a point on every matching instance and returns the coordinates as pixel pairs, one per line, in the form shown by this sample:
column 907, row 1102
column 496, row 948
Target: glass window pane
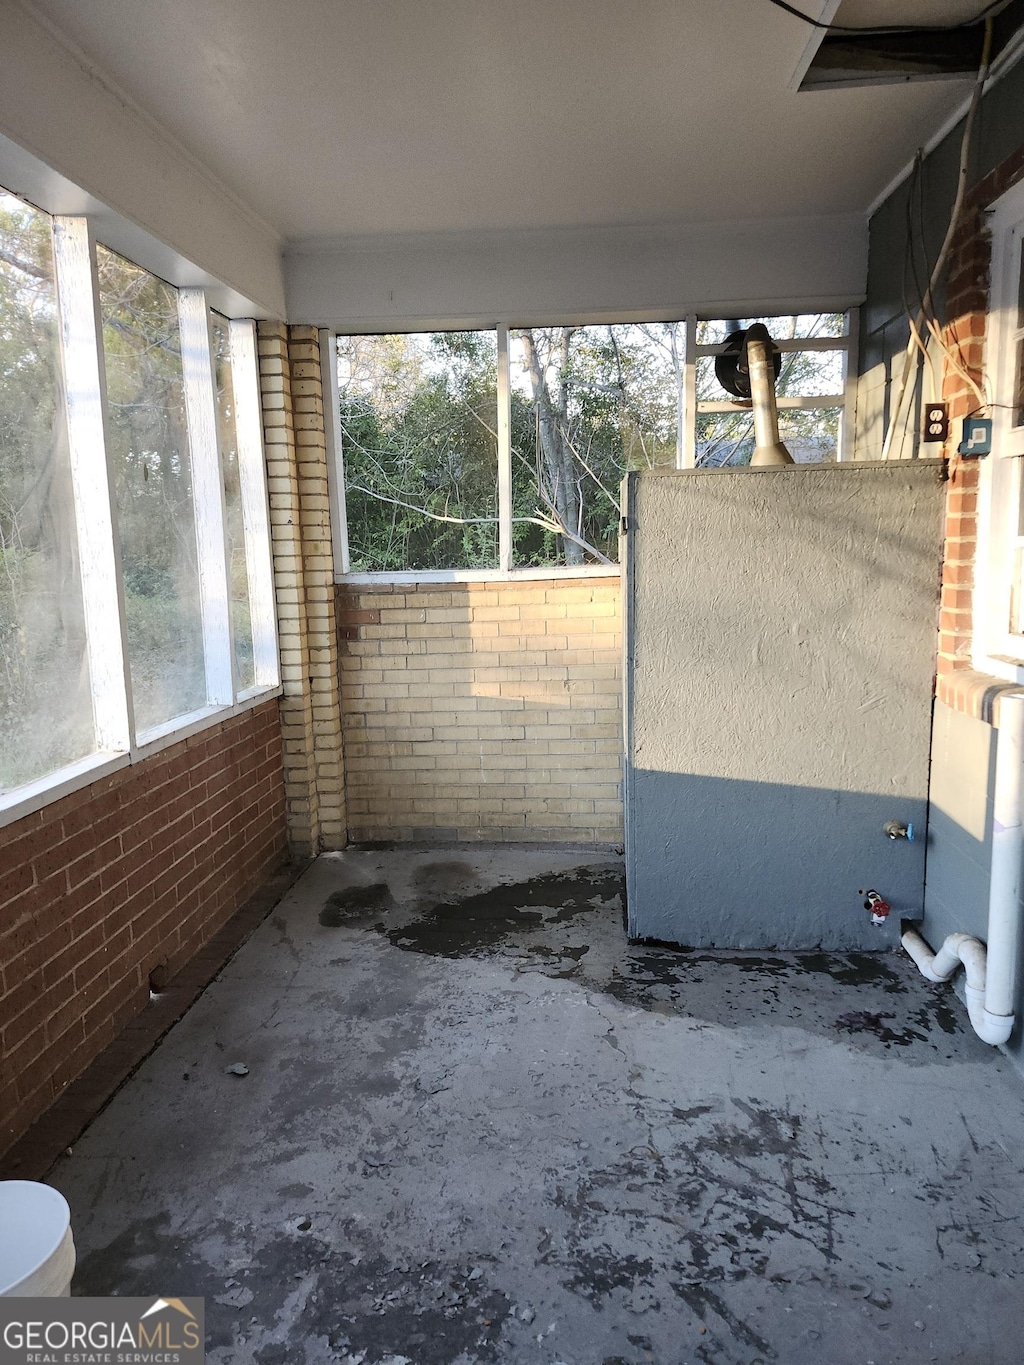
column 803, row 373
column 153, row 487
column 238, row 569
column 782, row 327
column 724, row 438
column 419, row 418
column 1018, row 386
column 46, row 718
column 727, row 438
column 811, row 435
column 588, row 404
column 811, row 374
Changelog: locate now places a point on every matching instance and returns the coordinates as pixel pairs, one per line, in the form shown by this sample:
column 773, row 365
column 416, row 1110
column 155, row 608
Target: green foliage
column 588, row 404
column 45, row 706
column 418, row 417
column 153, row 490
column 613, row 394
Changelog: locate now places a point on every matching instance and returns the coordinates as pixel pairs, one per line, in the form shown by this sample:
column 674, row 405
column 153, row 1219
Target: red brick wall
column 97, row 889
column 967, row 301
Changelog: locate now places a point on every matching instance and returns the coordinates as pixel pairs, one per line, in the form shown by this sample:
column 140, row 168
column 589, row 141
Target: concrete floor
column 478, row 1126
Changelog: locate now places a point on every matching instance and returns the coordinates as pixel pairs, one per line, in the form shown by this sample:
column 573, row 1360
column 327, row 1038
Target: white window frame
column 506, row 571
column 846, row 399
column 118, row 741
column 996, row 649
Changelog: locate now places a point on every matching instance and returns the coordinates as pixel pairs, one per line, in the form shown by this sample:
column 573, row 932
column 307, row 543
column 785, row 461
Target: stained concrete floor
column 478, row 1126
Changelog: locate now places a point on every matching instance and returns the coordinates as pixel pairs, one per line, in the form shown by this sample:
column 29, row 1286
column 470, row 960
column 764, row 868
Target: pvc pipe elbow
column 923, row 956
column 963, row 948
column 993, row 1029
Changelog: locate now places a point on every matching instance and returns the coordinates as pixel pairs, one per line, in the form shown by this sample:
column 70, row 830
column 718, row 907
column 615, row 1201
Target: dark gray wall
column 960, row 826
column 780, row 636
column 884, row 330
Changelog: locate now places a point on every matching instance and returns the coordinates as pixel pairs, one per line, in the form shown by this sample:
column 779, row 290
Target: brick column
column 303, row 576
column 965, row 331
column 318, row 578
column 964, row 334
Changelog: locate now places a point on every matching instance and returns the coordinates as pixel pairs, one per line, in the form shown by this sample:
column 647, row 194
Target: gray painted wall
column 960, row 825
column 780, row 656
column 890, row 281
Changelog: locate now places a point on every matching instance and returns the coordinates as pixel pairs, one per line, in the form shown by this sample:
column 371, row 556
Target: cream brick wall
column 483, row 710
column 293, row 428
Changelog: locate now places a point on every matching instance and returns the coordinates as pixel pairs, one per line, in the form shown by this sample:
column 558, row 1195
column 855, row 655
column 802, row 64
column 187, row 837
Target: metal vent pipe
column 768, row 448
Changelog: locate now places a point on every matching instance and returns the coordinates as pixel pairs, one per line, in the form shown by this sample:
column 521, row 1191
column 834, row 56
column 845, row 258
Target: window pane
column 45, row 701
column 811, row 373
column 811, row 435
column 588, row 404
column 727, row 438
column 419, row 418
column 782, row 328
column 1018, row 386
column 153, row 486
column 808, row 374
column 238, row 571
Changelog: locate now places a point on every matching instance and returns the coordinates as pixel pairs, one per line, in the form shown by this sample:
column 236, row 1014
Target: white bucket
column 37, row 1254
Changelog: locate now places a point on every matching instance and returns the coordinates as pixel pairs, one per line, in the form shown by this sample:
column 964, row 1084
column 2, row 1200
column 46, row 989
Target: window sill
column 1008, row 667
column 481, row 575
column 173, row 732
column 33, row 796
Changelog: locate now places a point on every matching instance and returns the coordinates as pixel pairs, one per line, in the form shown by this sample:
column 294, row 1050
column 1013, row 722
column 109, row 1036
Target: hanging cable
column 910, row 258
column 947, row 242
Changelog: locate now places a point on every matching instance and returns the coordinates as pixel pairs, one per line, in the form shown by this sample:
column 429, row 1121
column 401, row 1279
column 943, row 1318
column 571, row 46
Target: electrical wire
column 910, row 259
column 952, row 353
column 947, row 241
column 989, row 9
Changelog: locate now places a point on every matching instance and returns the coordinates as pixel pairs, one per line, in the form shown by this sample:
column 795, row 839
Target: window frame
column 506, row 570
column 996, row 649
column 118, row 741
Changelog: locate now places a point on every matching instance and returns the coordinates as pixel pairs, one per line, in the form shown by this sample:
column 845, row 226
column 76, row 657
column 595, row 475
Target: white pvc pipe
column 962, row 950
column 991, row 973
column 1007, row 852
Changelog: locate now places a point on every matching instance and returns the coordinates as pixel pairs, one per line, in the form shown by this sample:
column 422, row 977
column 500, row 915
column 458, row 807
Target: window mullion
column 99, row 549
column 504, row 454
column 199, row 378
column 255, row 509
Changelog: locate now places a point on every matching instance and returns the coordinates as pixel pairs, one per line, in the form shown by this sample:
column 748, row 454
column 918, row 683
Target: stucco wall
column 781, row 648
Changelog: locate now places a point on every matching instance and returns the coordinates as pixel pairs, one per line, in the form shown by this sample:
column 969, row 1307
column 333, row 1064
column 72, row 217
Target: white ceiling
column 339, row 117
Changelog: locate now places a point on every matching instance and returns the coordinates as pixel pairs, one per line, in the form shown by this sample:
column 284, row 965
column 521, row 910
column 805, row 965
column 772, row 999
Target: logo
column 162, row 1331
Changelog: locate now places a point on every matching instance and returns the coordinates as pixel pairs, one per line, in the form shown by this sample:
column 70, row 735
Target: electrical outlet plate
column 936, row 423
